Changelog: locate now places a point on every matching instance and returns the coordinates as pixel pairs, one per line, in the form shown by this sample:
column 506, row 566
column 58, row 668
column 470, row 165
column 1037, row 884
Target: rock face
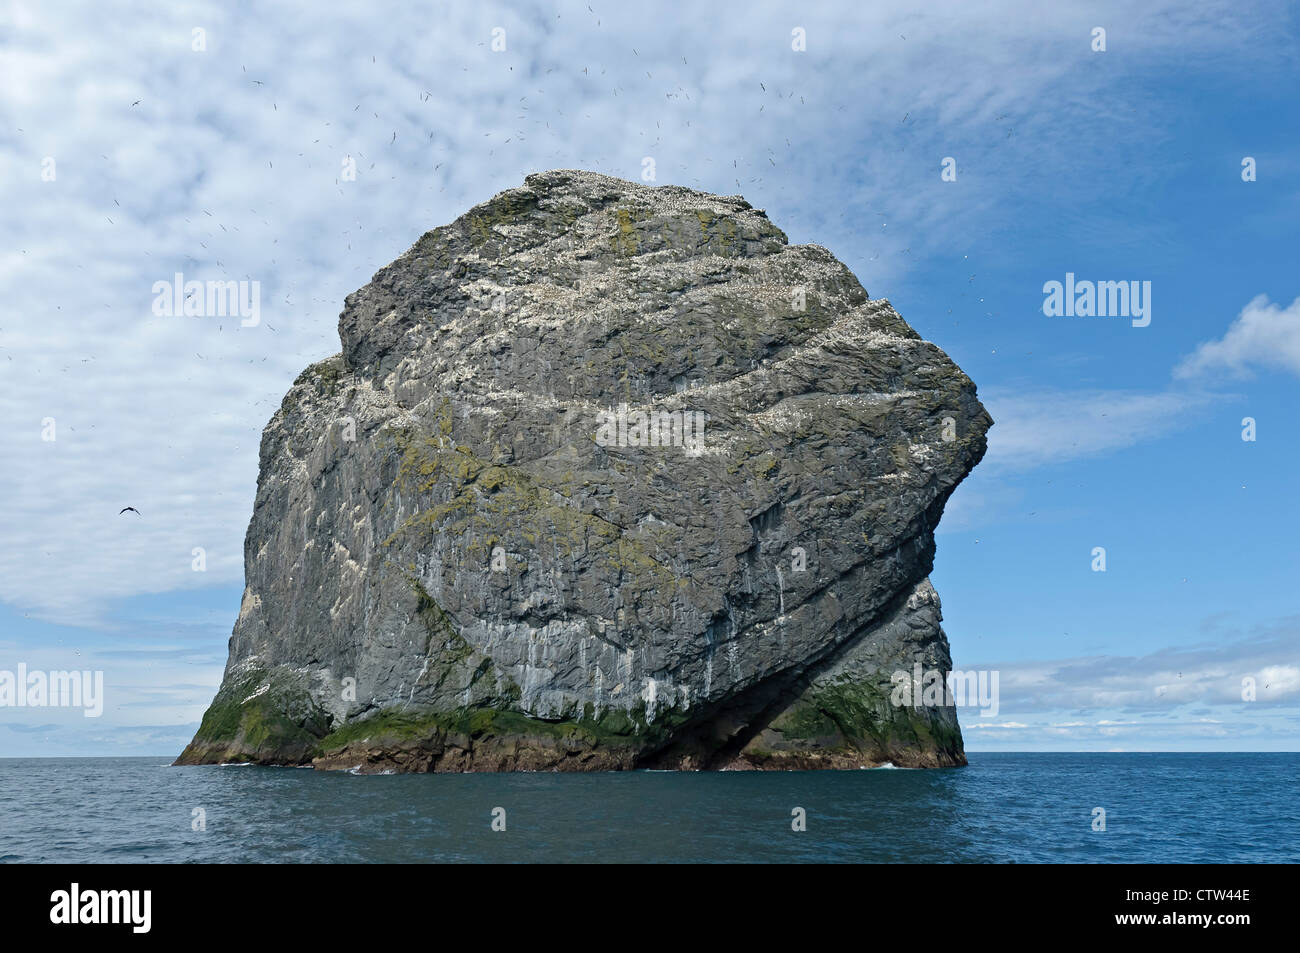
column 605, row 476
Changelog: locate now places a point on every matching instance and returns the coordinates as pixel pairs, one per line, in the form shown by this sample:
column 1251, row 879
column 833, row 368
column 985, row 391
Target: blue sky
column 1118, row 165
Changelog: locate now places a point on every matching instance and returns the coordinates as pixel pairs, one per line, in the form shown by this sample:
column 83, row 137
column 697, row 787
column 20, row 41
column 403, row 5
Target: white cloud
column 1045, row 427
column 1160, row 701
column 1163, row 681
column 225, row 164
column 1264, row 335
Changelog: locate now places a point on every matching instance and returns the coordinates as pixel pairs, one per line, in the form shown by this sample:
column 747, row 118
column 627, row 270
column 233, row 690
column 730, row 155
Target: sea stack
column 605, row 476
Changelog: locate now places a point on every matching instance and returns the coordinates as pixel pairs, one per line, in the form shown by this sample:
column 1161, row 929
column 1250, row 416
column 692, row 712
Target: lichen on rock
column 483, row 539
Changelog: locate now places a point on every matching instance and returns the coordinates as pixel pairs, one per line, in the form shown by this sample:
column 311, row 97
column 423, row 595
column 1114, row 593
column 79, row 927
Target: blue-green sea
column 1003, row 808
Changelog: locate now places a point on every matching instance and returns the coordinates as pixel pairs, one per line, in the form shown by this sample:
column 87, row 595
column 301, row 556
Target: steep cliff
column 605, row 476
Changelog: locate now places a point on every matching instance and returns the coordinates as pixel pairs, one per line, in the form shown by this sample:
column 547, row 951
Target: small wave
column 134, row 848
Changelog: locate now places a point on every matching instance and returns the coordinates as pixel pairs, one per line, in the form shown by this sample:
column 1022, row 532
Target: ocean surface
column 1003, row 808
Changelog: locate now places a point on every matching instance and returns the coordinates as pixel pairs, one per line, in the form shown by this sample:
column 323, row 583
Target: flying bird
column 131, row 509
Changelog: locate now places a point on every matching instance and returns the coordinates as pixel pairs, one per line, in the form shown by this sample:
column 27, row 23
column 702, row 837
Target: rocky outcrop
column 605, row 476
